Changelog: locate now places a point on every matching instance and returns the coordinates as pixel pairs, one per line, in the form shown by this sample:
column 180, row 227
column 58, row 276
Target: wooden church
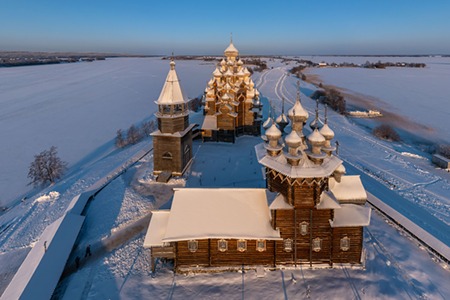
column 232, row 106
column 310, row 212
column 172, row 141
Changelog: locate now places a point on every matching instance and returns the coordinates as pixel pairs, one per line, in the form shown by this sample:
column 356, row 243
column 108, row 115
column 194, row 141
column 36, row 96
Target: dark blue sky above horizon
column 203, row 27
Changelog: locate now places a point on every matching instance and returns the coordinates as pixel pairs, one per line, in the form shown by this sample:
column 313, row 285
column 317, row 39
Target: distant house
column 322, row 64
column 441, row 161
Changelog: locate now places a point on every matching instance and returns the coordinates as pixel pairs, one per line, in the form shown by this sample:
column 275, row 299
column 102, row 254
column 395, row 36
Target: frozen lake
column 420, row 94
column 78, row 108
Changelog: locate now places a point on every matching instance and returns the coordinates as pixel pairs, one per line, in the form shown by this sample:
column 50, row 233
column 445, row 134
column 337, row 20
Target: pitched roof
column 219, row 213
column 172, row 93
column 157, row 229
column 350, row 189
column 351, row 215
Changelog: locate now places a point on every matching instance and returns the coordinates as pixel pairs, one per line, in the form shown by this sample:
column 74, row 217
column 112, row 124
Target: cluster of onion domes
column 230, row 80
column 316, row 146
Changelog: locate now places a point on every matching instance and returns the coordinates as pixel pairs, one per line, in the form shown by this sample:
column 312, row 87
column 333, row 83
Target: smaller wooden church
column 310, row 213
column 172, row 141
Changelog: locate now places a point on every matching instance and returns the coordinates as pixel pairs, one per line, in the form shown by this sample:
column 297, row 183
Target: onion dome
column 267, row 123
column 316, row 123
column 246, row 72
column 315, row 138
column 231, row 51
column 273, row 132
column 227, row 86
column 297, row 112
column 282, row 118
column 230, row 63
column 326, row 131
column 217, row 73
column 240, row 62
column 225, row 97
column 256, row 92
column 251, row 84
column 223, row 62
column 240, row 73
column 293, row 140
column 228, row 73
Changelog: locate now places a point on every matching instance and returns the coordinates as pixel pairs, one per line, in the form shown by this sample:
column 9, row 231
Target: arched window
column 241, row 245
column 288, row 245
column 345, row 243
column 167, row 155
column 317, row 244
column 304, row 228
column 261, row 245
column 193, row 246
column 222, row 245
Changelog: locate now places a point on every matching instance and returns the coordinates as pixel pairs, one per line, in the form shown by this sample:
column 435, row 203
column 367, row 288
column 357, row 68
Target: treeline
column 383, row 65
column 18, row 62
column 261, row 65
column 134, row 134
column 332, row 97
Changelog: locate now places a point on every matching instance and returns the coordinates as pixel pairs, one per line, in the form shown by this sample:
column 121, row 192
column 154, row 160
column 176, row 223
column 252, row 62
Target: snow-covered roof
column 219, row 213
column 280, row 203
column 350, row 189
column 156, row 229
column 351, row 215
column 175, row 134
column 298, row 110
column 305, row 169
column 327, row 201
column 39, row 273
column 231, row 49
column 172, row 92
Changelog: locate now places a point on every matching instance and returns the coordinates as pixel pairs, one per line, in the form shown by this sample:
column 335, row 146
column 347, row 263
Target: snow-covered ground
column 78, row 108
column 419, row 94
column 396, row 267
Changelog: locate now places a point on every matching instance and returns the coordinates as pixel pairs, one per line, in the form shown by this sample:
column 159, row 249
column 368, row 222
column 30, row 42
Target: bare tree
column 133, row 135
column 386, row 132
column 46, row 167
column 147, row 128
column 120, row 140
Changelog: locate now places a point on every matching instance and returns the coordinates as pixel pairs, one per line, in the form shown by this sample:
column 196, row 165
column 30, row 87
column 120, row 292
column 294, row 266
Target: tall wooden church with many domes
column 310, row 212
column 232, row 106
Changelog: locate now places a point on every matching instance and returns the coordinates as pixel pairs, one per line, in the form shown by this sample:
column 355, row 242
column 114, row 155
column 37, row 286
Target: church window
column 317, row 244
column 193, row 246
column 167, row 155
column 261, row 245
column 222, row 245
column 345, row 243
column 287, row 245
column 241, row 245
column 304, row 228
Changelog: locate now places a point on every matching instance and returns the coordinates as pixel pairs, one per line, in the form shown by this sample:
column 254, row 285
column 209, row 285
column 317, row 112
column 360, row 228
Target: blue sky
column 203, row 27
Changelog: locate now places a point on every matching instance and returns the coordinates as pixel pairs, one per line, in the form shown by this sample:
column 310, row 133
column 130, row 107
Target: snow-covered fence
column 433, row 244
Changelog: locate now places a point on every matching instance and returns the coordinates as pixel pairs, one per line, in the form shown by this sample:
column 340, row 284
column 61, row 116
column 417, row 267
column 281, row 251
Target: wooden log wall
column 208, row 254
column 352, row 255
column 172, row 125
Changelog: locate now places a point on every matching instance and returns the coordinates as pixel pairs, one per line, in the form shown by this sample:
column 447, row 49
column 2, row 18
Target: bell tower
column 172, row 141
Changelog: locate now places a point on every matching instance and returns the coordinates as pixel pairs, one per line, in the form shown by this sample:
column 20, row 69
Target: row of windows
column 344, row 244
column 222, row 245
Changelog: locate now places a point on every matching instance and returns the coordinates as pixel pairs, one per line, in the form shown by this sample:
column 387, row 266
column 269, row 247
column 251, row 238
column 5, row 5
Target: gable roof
column 219, row 213
column 350, row 189
column 172, row 93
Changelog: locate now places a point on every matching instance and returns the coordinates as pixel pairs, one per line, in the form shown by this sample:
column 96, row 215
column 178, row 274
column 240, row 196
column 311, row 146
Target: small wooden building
column 172, row 141
column 441, row 161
